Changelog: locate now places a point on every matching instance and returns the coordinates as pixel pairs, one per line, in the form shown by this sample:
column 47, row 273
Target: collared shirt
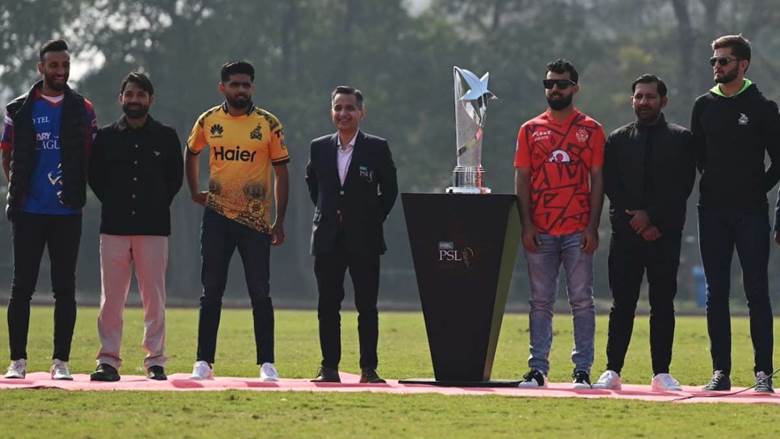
column 344, row 157
column 136, row 172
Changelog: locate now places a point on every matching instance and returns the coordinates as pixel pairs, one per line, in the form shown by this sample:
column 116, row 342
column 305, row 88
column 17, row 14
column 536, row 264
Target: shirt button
column 136, row 145
column 132, row 212
column 135, row 178
column 135, row 162
column 341, row 192
column 133, row 195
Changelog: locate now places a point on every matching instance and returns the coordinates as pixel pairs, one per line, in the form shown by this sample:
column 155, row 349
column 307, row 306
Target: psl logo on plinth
column 450, row 255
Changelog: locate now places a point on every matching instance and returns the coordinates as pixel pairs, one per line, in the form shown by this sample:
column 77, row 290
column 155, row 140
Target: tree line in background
column 403, row 63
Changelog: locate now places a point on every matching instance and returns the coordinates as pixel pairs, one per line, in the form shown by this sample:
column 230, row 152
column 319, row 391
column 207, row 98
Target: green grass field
column 403, row 353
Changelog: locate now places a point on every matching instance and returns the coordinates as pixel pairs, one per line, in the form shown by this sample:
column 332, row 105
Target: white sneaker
column 268, row 372
column 60, row 371
column 17, row 369
column 202, row 371
column 609, row 380
column 533, row 379
column 664, row 382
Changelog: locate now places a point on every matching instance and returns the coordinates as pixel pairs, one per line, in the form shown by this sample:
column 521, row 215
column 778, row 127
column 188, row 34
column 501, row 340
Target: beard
column 647, row 115
column 727, row 77
column 561, row 103
column 135, row 111
column 239, row 102
column 54, row 84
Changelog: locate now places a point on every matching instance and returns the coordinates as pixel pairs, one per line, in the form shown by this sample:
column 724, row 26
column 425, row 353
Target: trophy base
column 468, row 190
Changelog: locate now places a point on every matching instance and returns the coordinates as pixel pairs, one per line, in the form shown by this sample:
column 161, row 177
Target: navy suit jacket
column 361, row 204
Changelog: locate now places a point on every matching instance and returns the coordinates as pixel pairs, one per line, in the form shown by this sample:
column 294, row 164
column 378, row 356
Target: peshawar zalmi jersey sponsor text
column 242, row 151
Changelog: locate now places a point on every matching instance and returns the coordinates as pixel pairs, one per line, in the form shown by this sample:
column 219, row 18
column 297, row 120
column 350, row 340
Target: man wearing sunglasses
column 649, row 170
column 734, row 126
column 558, row 182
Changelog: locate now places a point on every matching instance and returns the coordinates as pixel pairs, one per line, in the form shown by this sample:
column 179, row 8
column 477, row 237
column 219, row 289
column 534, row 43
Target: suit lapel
column 356, row 155
column 332, row 158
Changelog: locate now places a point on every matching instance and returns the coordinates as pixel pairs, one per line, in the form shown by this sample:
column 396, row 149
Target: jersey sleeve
column 7, row 138
column 197, row 140
column 278, row 150
column 598, row 139
column 522, row 149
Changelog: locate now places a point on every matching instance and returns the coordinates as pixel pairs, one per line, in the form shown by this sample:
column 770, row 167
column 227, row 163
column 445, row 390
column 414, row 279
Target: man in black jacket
column 734, row 126
column 136, row 169
column 352, row 182
column 649, row 170
column 46, row 141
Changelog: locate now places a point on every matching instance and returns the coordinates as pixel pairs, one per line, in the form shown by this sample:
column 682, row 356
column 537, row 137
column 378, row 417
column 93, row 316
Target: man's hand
column 530, row 237
column 777, row 237
column 590, row 240
column 651, row 233
column 200, row 197
column 277, row 233
column 639, row 220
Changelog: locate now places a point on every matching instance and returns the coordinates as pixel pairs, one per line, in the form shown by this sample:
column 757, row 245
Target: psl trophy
column 470, row 111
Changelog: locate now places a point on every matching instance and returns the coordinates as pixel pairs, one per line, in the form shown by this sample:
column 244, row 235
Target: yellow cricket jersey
column 243, row 150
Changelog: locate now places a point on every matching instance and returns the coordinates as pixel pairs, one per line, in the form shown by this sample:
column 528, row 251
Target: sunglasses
column 722, row 60
column 561, row 83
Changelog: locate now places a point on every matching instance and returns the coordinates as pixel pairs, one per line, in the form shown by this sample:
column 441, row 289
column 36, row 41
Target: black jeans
column 220, row 237
column 720, row 232
column 630, row 257
column 329, row 269
column 32, row 233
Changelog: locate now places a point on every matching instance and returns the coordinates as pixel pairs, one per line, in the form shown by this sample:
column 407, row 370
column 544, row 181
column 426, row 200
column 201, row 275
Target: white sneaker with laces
column 664, row 382
column 17, row 369
column 268, row 372
column 202, row 371
column 60, row 371
column 608, row 380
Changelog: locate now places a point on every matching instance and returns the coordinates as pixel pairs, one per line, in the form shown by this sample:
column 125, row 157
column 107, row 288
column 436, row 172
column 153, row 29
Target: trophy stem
column 468, row 180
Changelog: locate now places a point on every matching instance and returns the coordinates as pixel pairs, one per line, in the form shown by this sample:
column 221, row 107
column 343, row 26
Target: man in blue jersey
column 45, row 145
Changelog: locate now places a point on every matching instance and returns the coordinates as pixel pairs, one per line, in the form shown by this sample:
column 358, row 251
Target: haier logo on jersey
column 46, row 141
column 233, row 154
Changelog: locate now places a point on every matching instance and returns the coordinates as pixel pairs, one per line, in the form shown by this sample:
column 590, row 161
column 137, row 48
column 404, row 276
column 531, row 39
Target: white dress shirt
column 344, row 157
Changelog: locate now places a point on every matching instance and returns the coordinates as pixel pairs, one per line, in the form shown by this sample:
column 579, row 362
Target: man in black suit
column 352, row 182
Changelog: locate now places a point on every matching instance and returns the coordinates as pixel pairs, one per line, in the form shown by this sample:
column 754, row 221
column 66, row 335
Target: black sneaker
column 581, row 379
column 764, row 383
column 533, row 379
column 719, row 381
column 104, row 372
column 156, row 373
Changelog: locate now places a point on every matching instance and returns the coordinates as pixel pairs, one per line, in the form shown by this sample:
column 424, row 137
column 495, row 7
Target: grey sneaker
column 17, row 369
column 60, row 370
column 764, row 383
column 719, row 381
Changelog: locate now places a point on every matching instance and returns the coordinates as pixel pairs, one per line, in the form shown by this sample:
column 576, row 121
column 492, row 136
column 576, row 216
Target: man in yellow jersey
column 245, row 142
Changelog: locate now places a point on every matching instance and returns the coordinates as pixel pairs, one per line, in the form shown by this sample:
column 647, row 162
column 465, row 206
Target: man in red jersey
column 559, row 184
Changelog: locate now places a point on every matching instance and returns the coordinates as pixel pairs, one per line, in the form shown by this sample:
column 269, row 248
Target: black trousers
column 720, row 232
column 329, row 269
column 31, row 233
column 220, row 236
column 630, row 257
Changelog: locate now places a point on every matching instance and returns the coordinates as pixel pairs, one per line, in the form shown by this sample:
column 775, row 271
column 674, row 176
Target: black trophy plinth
column 464, row 248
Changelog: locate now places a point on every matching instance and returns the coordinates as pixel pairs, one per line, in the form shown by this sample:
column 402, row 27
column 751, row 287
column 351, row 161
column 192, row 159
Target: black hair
column 139, row 79
column 647, row 78
column 561, row 66
column 52, row 46
column 235, row 68
column 347, row 90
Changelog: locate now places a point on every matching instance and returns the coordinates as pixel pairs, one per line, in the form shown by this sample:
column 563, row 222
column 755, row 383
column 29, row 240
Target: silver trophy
column 470, row 111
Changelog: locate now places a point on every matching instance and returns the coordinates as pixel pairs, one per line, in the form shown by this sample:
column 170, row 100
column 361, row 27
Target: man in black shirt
column 734, row 127
column 649, row 170
column 136, row 169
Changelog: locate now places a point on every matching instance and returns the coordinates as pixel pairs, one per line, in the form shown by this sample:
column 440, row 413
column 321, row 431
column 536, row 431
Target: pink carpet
column 181, row 382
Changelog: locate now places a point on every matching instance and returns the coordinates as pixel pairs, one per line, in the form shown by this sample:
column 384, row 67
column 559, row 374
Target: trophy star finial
column 478, row 87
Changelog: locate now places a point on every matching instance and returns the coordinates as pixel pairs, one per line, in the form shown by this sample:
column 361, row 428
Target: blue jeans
column 543, row 266
column 220, row 236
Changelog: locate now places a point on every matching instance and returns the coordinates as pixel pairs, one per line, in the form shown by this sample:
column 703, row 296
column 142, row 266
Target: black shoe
column 156, row 373
column 764, row 383
column 369, row 376
column 327, row 375
column 534, row 378
column 104, row 372
column 719, row 381
column 581, row 379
